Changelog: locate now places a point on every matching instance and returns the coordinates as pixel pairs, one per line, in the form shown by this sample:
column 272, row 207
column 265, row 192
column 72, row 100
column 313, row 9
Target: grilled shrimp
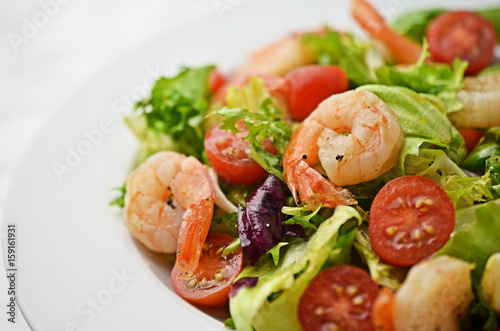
column 355, row 137
column 277, row 59
column 491, row 281
column 434, row 296
column 169, row 205
column 481, row 99
column 405, row 50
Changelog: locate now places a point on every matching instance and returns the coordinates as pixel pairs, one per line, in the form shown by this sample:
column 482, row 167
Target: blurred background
column 48, row 49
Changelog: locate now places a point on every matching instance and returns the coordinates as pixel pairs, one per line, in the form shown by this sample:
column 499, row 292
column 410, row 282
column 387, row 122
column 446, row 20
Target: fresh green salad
column 332, row 182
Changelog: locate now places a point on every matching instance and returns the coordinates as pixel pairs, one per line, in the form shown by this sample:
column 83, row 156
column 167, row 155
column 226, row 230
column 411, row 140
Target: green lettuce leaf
column 382, row 273
column 344, row 50
column 171, row 118
column 435, row 164
column 414, row 24
column 476, row 234
column 420, row 119
column 488, row 145
column 272, row 303
column 439, row 80
column 263, row 123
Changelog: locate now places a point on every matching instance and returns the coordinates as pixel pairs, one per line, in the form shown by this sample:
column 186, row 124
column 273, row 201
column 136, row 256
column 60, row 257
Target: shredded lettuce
column 344, row 50
column 171, row 118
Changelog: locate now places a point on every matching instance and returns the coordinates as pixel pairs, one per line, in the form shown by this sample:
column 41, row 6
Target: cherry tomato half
column 309, row 85
column 462, row 34
column 411, row 217
column 338, row 298
column 211, row 283
column 471, row 137
column 229, row 155
column 215, row 81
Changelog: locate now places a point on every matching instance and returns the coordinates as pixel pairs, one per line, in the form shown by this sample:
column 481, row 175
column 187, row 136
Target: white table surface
column 75, row 40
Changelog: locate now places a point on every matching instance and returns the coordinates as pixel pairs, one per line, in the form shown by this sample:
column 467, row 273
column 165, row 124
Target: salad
column 332, row 182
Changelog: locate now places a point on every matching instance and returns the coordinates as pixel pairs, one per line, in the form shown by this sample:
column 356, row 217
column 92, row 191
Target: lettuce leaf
column 171, row 118
column 278, row 290
column 414, row 24
column 344, row 50
column 488, row 145
column 421, row 120
column 435, row 164
column 475, row 238
column 382, row 273
column 263, row 123
column 439, row 80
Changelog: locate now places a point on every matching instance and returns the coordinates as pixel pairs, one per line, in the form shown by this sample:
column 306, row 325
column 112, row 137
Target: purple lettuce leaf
column 295, row 230
column 242, row 283
column 260, row 224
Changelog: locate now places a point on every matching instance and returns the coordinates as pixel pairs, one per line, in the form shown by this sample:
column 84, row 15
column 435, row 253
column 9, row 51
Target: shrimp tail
column 316, row 190
column 405, row 50
column 192, row 235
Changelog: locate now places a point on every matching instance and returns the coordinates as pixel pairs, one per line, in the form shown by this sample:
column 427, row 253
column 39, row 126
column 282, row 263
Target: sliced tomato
column 229, row 155
column 211, row 282
column 411, row 217
column 215, row 81
column 462, row 34
column 471, row 137
column 311, row 84
column 382, row 311
column 338, row 298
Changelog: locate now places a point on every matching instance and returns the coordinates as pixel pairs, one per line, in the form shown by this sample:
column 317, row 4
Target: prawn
column 434, row 296
column 405, row 50
column 277, row 59
column 490, row 282
column 169, row 205
column 481, row 99
column 354, row 136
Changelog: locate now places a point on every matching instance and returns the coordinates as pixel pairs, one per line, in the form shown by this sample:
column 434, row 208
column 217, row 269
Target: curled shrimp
column 490, row 283
column 356, row 138
column 434, row 296
column 277, row 59
column 481, row 99
column 405, row 50
column 169, row 206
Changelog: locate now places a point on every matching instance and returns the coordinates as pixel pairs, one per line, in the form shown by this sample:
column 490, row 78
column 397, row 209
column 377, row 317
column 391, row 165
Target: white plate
column 77, row 264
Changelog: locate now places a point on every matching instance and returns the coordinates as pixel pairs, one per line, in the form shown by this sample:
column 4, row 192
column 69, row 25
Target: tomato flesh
column 211, row 283
column 462, row 34
column 471, row 137
column 411, row 217
column 215, row 81
column 338, row 298
column 309, row 85
column 229, row 155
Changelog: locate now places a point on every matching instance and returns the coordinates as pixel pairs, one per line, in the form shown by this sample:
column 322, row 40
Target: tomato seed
column 429, row 229
column 351, row 290
column 359, row 300
column 319, row 311
column 391, row 231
